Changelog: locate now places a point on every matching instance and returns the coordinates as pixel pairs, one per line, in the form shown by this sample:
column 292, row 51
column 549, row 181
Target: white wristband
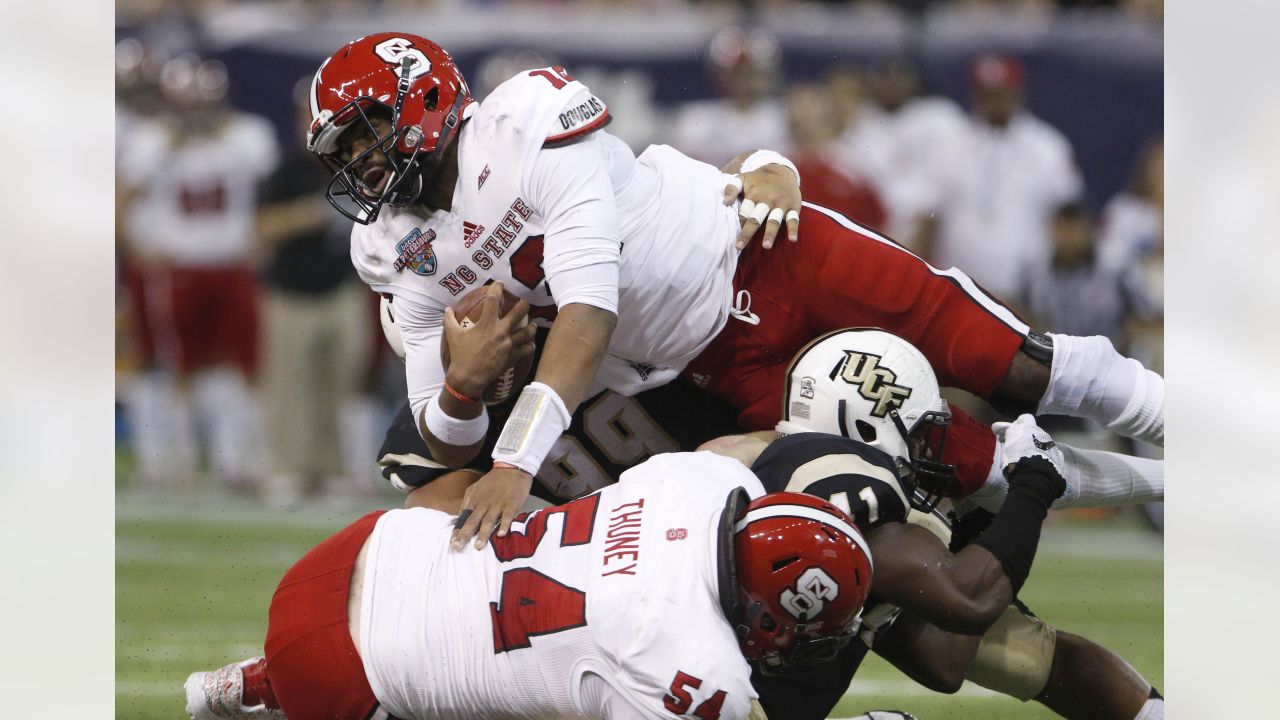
column 760, row 158
column 536, row 422
column 453, row 431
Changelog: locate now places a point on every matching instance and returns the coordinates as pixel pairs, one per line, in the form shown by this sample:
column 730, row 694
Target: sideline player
column 526, row 189
column 1020, row 656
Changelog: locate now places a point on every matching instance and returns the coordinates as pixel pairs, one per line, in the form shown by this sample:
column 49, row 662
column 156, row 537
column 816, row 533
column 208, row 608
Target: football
column 513, row 378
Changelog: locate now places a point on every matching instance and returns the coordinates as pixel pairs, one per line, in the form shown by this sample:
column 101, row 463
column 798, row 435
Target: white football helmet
column 870, row 385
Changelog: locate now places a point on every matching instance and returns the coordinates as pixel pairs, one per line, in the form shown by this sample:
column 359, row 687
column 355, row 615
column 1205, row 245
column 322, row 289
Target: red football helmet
column 415, row 85
column 803, row 574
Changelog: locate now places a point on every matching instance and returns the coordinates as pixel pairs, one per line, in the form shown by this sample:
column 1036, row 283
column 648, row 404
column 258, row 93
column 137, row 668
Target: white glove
column 1022, row 438
column 885, row 715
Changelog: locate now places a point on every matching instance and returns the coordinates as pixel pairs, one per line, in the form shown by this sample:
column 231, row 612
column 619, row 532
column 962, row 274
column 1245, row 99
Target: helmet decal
column 875, row 383
column 395, row 49
column 813, row 587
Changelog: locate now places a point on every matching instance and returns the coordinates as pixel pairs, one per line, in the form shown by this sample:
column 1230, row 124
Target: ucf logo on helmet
column 875, row 383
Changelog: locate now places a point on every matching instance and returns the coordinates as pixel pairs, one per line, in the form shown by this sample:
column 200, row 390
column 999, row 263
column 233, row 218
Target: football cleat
column 236, row 691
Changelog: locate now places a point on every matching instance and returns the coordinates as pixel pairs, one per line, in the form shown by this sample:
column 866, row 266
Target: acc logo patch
column 415, row 253
column 875, row 383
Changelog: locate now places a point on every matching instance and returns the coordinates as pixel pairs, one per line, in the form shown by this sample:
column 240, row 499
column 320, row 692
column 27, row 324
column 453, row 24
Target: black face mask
column 926, row 441
column 807, row 654
column 347, row 191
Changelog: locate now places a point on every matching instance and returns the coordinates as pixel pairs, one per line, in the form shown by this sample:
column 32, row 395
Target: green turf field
column 194, row 576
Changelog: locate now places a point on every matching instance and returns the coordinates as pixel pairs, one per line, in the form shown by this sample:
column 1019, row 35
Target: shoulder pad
column 858, row 478
column 545, row 106
column 578, row 112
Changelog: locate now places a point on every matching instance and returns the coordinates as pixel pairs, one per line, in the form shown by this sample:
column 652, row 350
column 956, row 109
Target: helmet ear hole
column 767, row 623
column 779, row 564
column 866, row 430
column 431, row 99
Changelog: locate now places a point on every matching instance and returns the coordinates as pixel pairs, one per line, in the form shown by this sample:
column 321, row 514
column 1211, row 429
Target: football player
column 188, row 191
column 652, row 598
column 1020, row 655
column 644, row 600
column 527, row 189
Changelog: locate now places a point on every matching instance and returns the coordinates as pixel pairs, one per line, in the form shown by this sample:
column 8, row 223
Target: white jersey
column 198, row 198
column 620, row 586
column 583, row 222
column 997, row 192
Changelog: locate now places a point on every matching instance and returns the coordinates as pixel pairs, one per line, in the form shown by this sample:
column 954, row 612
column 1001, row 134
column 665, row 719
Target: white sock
column 1152, row 710
column 226, row 400
column 1096, row 478
column 148, row 403
column 183, row 450
column 991, row 495
column 1089, row 379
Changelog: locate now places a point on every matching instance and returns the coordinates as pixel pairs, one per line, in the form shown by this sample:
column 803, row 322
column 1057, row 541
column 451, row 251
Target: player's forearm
column 454, row 454
column 963, row 593
column 575, row 347
column 1014, row 534
column 933, row 657
column 451, row 455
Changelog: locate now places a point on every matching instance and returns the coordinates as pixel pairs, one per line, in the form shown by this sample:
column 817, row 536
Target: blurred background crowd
column 1018, row 140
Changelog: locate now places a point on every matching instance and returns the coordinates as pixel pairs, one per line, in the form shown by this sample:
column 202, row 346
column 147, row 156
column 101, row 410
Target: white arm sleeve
column 570, row 187
column 422, row 327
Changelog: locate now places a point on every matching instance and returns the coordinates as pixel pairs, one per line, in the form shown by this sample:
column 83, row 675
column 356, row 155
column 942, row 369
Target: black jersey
column 857, row 478
column 608, row 434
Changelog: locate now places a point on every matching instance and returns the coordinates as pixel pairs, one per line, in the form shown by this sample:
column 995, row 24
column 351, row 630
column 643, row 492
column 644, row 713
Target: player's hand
column 475, row 355
column 491, row 502
column 1023, row 439
column 771, row 195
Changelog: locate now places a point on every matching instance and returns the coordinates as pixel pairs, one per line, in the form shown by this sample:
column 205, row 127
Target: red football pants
column 213, row 318
column 841, row 275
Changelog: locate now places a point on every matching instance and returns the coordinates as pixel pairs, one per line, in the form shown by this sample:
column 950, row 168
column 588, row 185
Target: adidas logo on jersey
column 470, row 233
column 643, row 370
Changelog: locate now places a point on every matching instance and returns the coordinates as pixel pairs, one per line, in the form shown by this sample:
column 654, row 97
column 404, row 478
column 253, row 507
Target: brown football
column 513, row 378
